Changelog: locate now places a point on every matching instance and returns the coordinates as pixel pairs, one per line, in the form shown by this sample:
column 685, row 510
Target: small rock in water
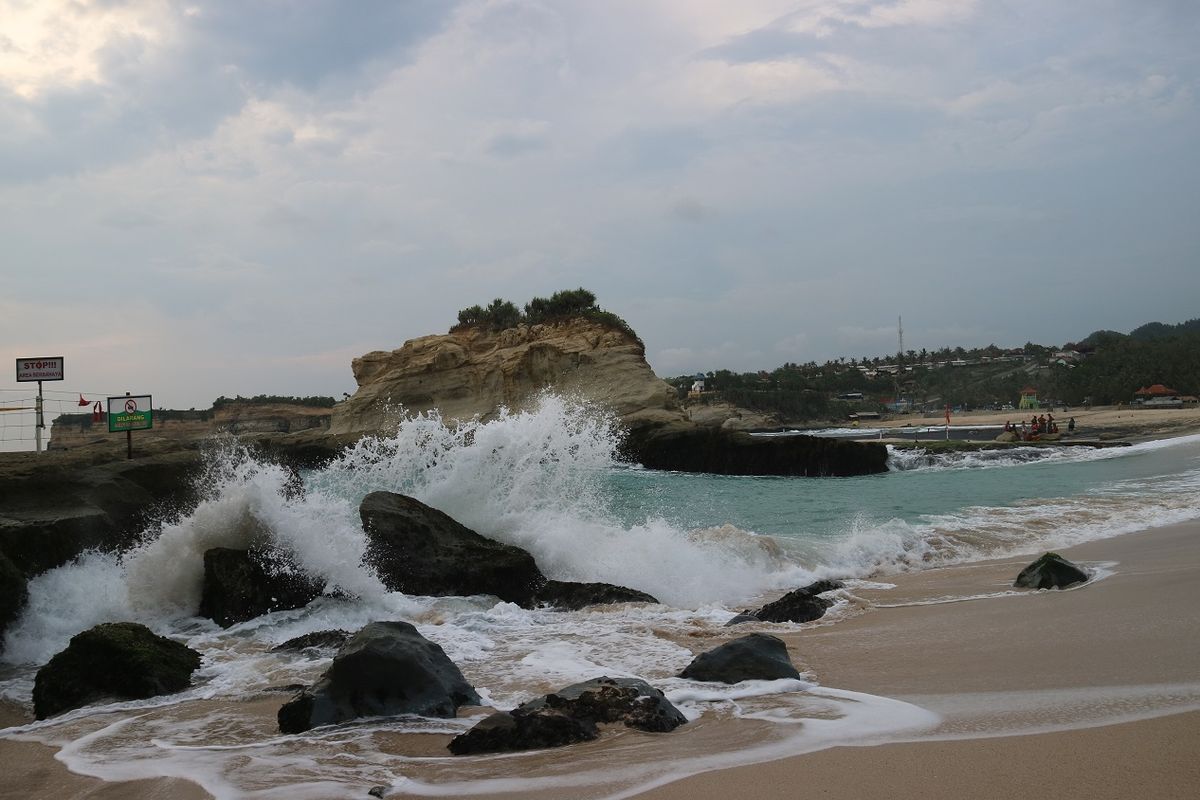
column 758, row 656
column 377, row 791
column 1051, row 571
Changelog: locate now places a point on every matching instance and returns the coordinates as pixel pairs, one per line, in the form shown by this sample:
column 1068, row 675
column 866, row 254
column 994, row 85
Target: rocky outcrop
column 121, row 660
column 240, row 585
column 571, row 715
column 1051, row 571
column 71, row 431
column 13, row 593
column 755, row 657
column 687, row 448
column 474, row 372
column 416, row 549
column 385, row 669
column 317, row 640
column 800, row 605
column 56, row 505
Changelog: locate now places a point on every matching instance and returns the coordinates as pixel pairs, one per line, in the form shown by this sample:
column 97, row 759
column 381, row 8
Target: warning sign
column 130, row 413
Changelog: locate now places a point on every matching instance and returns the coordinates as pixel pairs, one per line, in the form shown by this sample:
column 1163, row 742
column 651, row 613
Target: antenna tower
column 900, row 327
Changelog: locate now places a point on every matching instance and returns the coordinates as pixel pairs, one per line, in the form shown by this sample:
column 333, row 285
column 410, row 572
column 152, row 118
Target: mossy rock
column 122, row 660
column 1051, row 571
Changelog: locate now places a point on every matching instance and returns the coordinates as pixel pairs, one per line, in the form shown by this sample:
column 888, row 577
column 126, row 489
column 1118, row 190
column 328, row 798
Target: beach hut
column 1029, row 398
column 1157, row 396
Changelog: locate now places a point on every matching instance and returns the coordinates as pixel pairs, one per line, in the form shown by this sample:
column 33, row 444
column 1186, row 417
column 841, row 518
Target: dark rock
column 57, row 506
column 1051, row 571
column 755, row 657
column 799, row 605
column 533, row 730
column 13, row 593
column 377, row 791
column 571, row 715
column 416, row 549
column 745, row 616
column 574, row 596
column 117, row 659
column 691, row 448
column 324, row 640
column 387, row 668
column 241, row 585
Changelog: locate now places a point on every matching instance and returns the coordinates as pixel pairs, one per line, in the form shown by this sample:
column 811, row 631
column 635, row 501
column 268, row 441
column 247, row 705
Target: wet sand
column 1090, row 665
column 1087, row 676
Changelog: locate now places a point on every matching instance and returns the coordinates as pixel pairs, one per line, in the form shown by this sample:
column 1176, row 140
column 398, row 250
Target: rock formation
column 385, row 669
column 122, row 660
column 571, row 715
column 1051, row 571
column 799, row 605
column 755, row 657
column 474, row 372
column 240, row 585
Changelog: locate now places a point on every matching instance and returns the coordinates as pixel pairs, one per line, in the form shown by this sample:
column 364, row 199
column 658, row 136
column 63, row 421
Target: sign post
column 39, row 369
column 130, row 413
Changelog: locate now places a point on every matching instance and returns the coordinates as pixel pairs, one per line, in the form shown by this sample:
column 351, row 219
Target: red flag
column 83, row 402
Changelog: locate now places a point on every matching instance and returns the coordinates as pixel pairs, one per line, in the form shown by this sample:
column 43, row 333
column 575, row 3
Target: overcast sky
column 212, row 198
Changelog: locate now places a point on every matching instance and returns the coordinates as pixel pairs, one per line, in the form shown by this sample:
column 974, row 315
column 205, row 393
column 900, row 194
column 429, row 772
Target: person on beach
column 1071, row 425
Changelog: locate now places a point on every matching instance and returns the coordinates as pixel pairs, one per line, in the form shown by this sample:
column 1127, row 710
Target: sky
column 230, row 197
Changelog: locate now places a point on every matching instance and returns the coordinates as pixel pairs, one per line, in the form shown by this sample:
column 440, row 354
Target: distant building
column 1029, row 398
column 1157, row 396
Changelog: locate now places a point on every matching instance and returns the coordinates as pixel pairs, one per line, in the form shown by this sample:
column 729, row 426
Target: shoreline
column 1014, row 678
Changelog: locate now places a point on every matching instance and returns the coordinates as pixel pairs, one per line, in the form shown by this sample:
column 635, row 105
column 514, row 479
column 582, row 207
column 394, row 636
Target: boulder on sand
column 1051, row 571
column 800, row 605
column 385, row 669
column 574, row 596
column 117, row 659
column 571, row 715
column 755, row 657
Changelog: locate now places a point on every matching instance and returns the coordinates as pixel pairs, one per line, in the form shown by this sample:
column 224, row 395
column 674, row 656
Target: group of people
column 1037, row 427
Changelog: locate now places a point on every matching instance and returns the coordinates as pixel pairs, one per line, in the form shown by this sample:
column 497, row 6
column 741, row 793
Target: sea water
column 551, row 481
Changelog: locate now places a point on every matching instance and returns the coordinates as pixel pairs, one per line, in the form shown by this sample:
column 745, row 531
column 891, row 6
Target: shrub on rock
column 1051, row 571
column 117, row 659
column 387, row 668
column 757, row 656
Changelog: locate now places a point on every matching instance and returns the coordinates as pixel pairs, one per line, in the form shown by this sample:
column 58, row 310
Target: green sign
column 130, row 413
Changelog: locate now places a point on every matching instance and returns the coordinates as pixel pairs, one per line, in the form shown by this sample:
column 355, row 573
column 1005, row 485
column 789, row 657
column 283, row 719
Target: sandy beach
column 1123, row 422
column 1094, row 690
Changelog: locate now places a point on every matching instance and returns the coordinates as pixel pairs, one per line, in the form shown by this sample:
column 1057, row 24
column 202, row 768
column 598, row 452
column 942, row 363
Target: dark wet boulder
column 754, row 657
column 13, row 593
column 571, row 715
column 742, row 618
column 416, row 549
column 240, row 585
column 1051, row 571
column 386, row 669
column 692, row 448
column 515, row 730
column 320, row 640
column 121, row 660
column 799, row 605
column 574, row 596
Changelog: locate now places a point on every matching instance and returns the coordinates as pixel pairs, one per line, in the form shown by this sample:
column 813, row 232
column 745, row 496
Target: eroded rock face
column 757, row 656
column 474, row 372
column 13, row 593
column 571, row 715
column 1051, row 571
column 417, row 549
column 117, row 659
column 240, row 585
column 385, row 669
column 719, row 451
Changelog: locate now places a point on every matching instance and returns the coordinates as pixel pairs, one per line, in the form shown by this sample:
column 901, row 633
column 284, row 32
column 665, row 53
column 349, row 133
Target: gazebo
column 1029, row 398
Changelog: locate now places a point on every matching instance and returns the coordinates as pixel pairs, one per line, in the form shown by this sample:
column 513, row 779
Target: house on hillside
column 1029, row 398
column 1157, row 396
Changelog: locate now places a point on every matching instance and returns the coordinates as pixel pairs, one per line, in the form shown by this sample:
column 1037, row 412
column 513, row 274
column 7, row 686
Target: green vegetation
column 501, row 314
column 273, row 399
column 1103, row 369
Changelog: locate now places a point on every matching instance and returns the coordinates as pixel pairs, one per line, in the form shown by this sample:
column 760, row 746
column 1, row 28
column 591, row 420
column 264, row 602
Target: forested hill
column 1105, row 367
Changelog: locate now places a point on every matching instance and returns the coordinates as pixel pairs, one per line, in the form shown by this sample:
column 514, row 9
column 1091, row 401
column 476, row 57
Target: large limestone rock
column 122, row 660
column 474, row 372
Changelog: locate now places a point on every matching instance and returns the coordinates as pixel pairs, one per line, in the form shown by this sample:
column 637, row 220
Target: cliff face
column 76, row 430
column 473, row 372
